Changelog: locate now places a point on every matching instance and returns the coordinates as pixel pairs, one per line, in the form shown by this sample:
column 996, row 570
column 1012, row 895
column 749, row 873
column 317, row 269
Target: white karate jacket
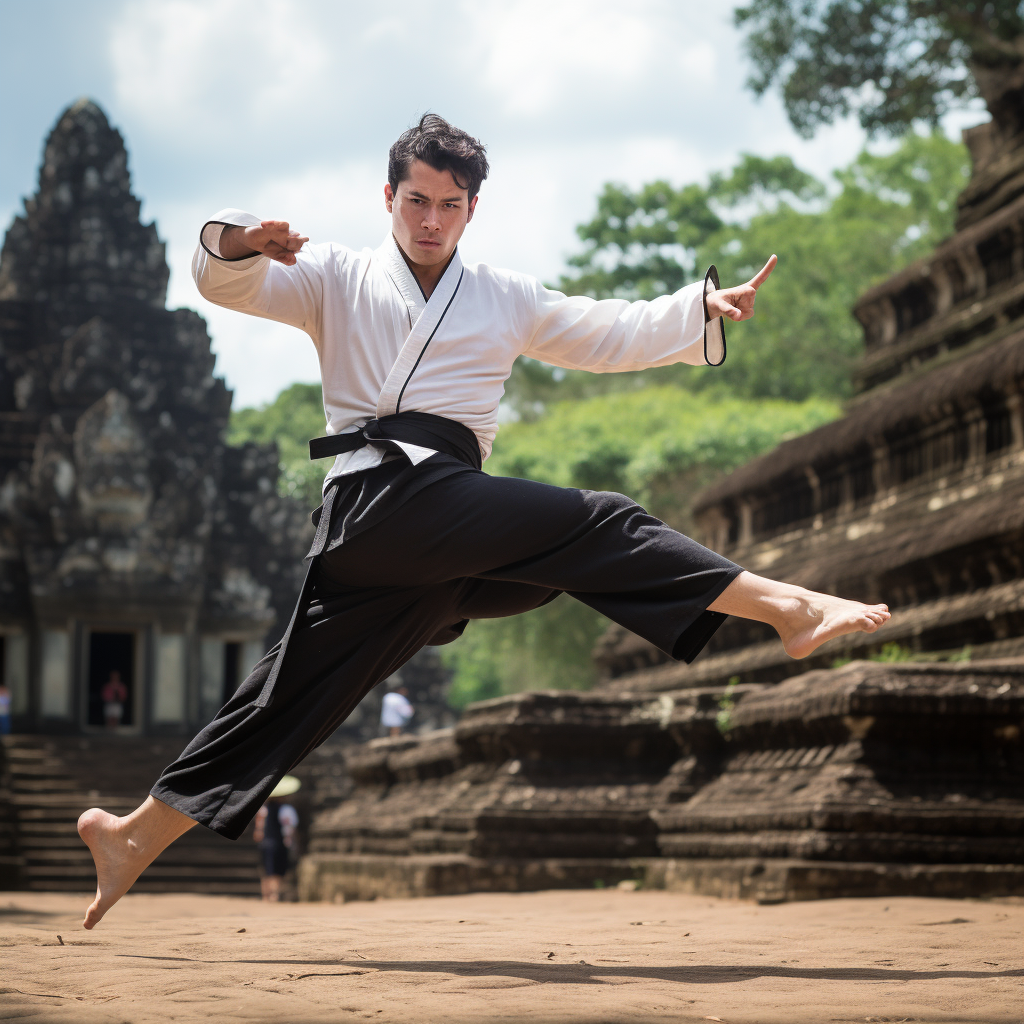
column 384, row 348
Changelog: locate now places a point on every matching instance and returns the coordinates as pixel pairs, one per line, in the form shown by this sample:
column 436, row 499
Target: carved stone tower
column 135, row 545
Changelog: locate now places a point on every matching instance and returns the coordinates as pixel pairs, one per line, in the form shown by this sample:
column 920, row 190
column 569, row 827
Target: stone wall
column 872, row 779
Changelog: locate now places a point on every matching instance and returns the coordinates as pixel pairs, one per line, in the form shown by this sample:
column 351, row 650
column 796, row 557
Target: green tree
column 803, row 339
column 296, row 415
column 892, row 62
column 645, row 243
column 660, row 445
column 882, row 212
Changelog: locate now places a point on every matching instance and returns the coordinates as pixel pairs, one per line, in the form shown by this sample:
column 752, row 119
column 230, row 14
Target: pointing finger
column 762, row 275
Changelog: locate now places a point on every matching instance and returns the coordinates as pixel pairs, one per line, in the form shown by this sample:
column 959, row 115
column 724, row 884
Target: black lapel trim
column 398, row 404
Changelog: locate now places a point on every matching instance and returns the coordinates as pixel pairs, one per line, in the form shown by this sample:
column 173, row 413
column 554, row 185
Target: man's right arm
column 258, row 267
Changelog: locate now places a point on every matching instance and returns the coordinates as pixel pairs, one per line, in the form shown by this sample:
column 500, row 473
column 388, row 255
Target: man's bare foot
column 817, row 618
column 803, row 619
column 122, row 848
column 117, row 863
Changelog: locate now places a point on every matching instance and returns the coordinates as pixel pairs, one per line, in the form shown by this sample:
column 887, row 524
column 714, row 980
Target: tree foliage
column 659, row 445
column 296, row 415
column 645, row 243
column 892, row 62
column 803, row 340
column 880, row 213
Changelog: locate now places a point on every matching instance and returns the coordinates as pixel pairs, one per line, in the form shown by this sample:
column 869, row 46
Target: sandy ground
column 600, row 957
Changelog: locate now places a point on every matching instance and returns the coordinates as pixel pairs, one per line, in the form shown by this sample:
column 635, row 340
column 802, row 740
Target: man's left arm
column 613, row 335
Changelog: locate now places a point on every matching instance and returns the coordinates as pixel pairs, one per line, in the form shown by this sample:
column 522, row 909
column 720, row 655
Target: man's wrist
column 233, row 245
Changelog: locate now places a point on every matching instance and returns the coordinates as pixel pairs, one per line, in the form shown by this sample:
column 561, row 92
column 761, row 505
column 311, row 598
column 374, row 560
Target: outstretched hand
column 273, row 238
column 738, row 303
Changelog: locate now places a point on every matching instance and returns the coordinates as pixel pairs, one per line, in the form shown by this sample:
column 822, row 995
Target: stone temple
column 133, row 540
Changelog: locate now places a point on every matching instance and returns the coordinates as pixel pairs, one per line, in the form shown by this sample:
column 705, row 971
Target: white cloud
column 189, row 65
column 259, row 357
column 533, row 51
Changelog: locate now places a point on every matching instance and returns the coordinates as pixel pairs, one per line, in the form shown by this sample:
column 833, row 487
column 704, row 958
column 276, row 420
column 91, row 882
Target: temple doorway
column 232, row 664
column 111, row 680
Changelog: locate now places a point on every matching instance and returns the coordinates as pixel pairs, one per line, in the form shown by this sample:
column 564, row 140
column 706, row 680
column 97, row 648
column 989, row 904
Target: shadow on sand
column 586, row 973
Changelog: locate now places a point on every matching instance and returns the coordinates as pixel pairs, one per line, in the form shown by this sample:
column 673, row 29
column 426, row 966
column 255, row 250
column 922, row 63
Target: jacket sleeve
column 613, row 335
column 259, row 285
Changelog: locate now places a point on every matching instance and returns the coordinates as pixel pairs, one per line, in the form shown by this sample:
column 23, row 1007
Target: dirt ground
column 597, row 957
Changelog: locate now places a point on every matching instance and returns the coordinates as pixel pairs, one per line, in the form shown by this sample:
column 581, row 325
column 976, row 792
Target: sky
column 287, row 108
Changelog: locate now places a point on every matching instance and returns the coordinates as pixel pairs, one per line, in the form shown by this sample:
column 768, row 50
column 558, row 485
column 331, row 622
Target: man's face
column 429, row 212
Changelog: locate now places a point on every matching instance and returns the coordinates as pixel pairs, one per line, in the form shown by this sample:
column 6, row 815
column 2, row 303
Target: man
column 395, row 710
column 413, row 540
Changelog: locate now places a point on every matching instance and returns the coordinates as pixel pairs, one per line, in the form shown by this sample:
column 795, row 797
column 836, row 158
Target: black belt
column 419, row 428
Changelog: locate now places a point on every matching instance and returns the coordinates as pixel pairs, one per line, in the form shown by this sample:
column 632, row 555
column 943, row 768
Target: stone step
column 31, row 831
column 49, row 783
column 68, row 860
column 40, row 773
column 29, row 782
column 187, row 859
column 22, row 765
column 26, row 754
column 23, row 745
column 33, row 765
column 30, row 788
column 69, row 802
column 85, row 871
column 29, row 845
column 220, row 888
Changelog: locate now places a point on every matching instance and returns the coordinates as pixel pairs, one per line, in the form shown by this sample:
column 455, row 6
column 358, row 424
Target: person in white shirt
column 395, row 710
column 413, row 541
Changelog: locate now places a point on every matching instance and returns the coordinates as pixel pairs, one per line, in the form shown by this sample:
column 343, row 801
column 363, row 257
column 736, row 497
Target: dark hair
column 443, row 147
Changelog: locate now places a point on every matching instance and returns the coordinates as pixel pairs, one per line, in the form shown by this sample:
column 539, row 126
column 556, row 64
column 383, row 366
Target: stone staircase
column 48, row 781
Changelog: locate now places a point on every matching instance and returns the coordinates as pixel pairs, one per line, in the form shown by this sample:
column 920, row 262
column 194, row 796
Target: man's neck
column 426, row 276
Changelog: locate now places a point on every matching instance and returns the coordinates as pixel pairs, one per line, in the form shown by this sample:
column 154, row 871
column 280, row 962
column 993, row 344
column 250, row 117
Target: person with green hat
column 276, row 822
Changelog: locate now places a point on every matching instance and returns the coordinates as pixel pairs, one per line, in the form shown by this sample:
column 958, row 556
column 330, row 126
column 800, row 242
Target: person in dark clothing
column 276, row 822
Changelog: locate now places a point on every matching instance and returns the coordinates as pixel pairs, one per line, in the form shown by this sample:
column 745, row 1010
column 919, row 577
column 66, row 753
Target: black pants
column 470, row 546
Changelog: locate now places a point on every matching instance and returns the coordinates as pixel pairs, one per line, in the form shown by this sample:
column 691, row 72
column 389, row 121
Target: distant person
column 395, row 710
column 276, row 822
column 413, row 539
column 114, row 694
column 5, row 710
